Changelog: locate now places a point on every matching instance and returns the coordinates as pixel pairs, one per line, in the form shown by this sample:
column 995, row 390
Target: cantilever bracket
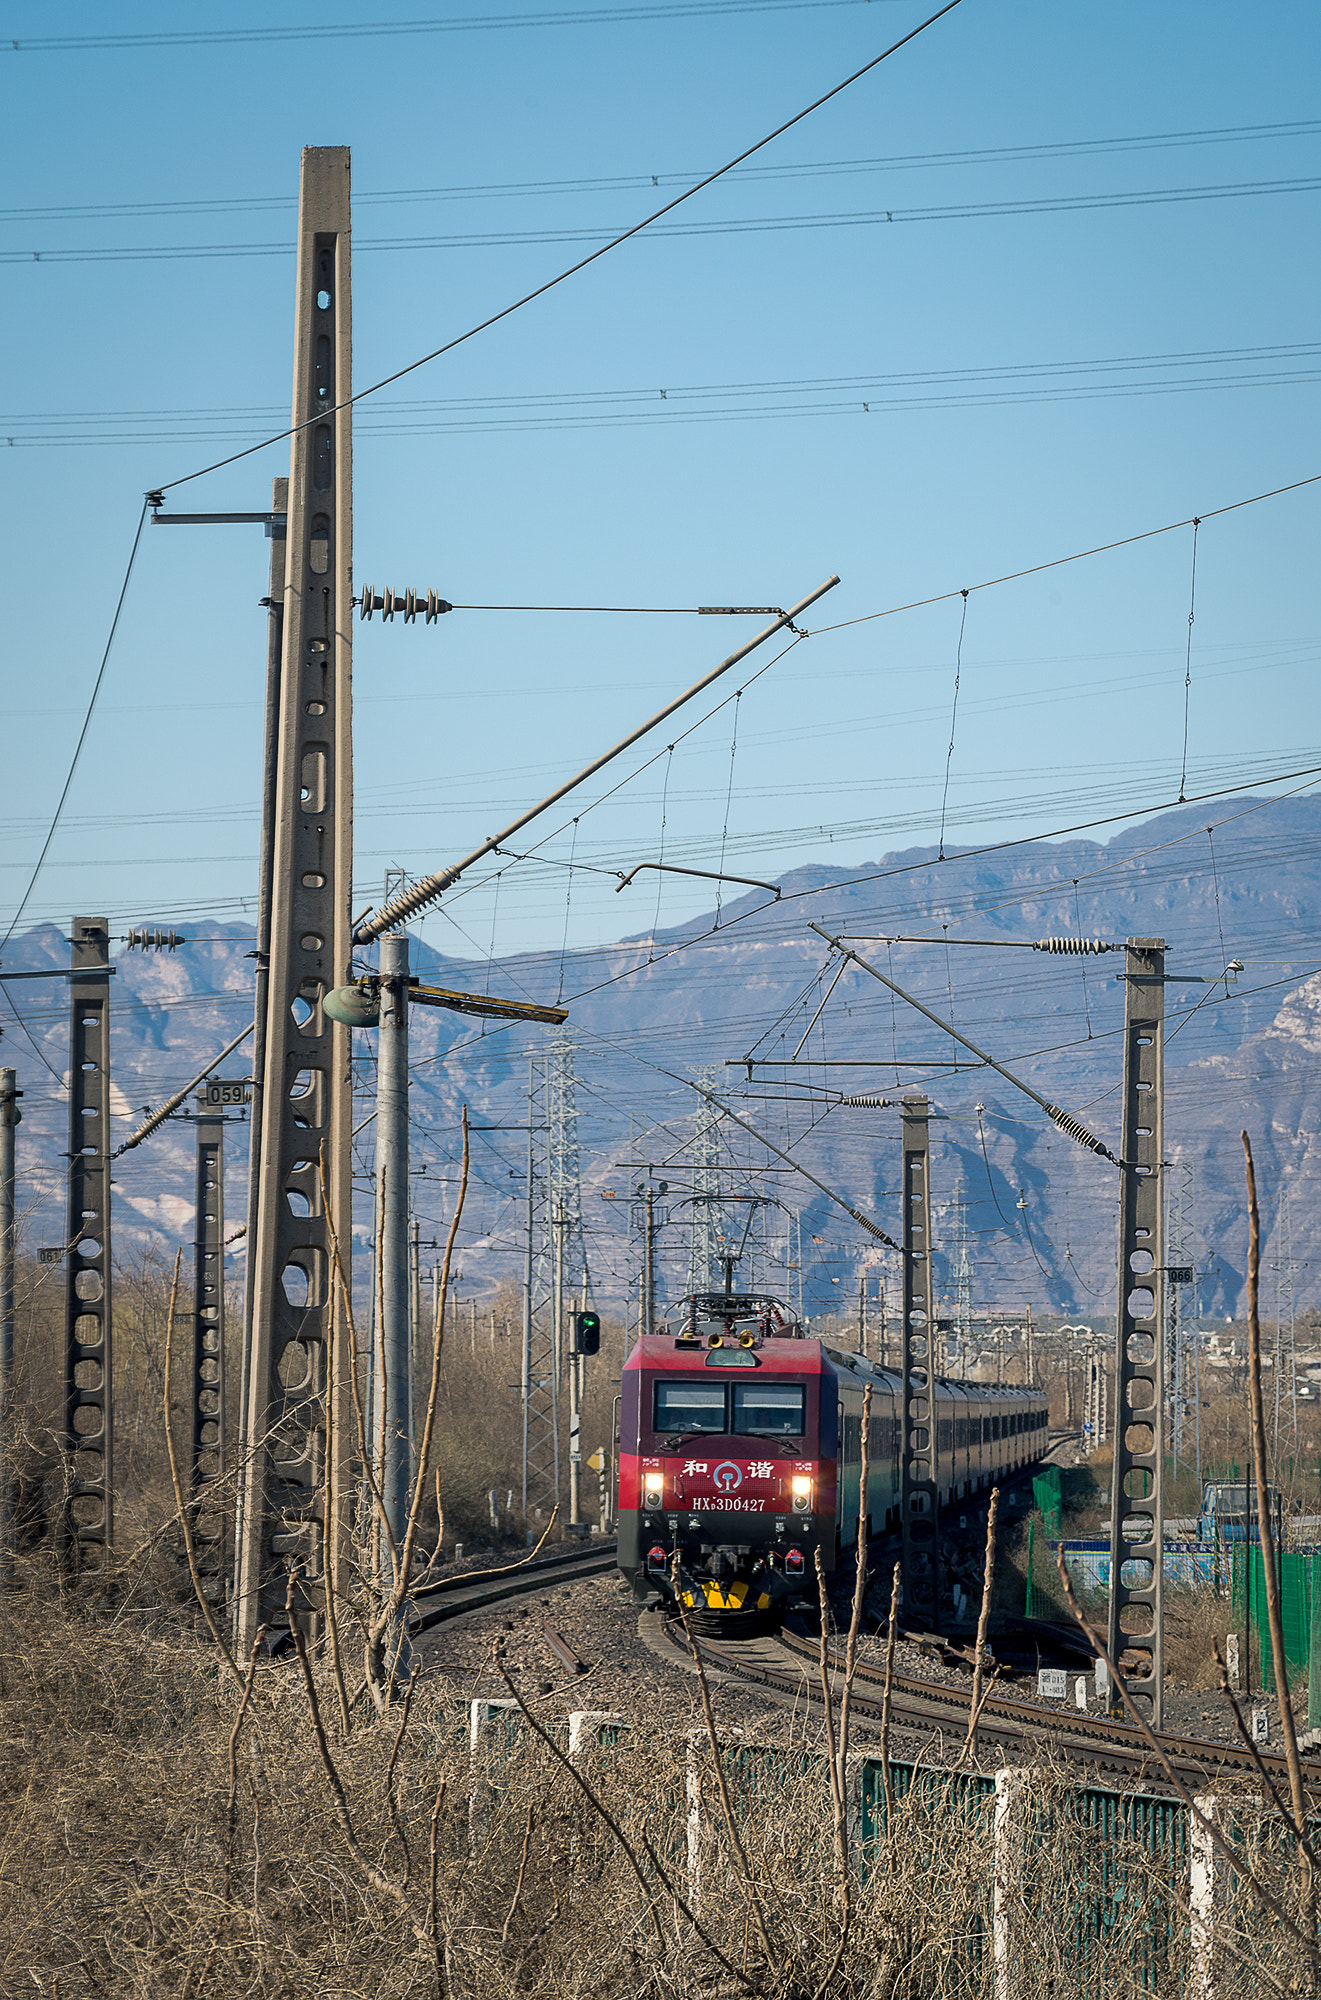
column 707, row 875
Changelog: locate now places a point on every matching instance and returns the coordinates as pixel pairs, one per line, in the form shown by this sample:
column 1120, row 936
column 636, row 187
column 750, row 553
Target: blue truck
column 1229, row 1512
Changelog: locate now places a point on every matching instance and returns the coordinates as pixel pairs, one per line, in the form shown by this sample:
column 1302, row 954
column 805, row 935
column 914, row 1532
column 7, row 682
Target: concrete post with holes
column 391, row 1363
column 9, row 1117
column 87, row 1520
column 298, row 1412
column 1137, row 1508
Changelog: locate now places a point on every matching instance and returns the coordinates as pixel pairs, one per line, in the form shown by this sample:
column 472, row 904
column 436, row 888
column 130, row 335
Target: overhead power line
column 82, row 734
column 629, row 183
column 1284, row 364
column 603, row 250
column 327, row 31
column 1068, row 204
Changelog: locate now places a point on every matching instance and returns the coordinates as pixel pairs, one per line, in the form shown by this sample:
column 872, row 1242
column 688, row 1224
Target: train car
column 740, row 1452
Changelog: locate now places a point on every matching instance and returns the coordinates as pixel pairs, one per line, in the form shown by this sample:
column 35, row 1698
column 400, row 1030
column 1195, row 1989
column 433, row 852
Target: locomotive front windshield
column 768, row 1409
column 690, row 1406
column 736, row 1409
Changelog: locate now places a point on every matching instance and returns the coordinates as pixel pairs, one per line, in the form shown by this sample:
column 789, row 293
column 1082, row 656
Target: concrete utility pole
column 862, row 1312
column 9, row 1117
column 295, row 1483
column 206, row 1456
column 208, row 1382
column 649, row 1266
column 1137, row 1506
column 88, row 1516
column 392, row 1446
column 575, row 1419
column 277, row 531
column 920, row 1491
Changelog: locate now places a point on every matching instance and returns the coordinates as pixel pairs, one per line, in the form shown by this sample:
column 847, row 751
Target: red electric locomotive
column 740, row 1451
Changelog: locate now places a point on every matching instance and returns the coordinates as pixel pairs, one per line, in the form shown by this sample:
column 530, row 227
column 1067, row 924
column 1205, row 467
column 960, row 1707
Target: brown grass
column 140, row 1858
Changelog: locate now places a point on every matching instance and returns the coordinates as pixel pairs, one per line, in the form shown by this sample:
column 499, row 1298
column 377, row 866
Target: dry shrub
column 130, row 1868
column 1196, row 1619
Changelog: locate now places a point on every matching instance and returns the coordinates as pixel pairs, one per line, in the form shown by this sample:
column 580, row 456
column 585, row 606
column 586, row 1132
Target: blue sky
column 540, row 463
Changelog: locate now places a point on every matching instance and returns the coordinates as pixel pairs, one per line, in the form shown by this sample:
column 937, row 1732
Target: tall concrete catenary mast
column 297, row 1430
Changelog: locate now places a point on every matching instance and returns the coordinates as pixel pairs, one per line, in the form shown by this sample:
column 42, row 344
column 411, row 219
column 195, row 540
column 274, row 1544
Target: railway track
column 456, row 1596
column 787, row 1666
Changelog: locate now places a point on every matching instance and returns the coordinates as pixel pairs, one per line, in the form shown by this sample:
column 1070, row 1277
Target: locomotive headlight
column 653, row 1489
column 801, row 1488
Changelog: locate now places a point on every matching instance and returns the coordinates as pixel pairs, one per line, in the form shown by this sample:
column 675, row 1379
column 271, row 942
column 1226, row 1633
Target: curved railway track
column 787, row 1666
column 455, row 1596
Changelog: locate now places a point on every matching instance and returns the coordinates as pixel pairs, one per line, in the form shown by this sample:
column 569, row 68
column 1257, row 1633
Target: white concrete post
column 481, row 1714
column 693, row 1788
column 1204, row 1881
column 1011, row 1789
column 584, row 1723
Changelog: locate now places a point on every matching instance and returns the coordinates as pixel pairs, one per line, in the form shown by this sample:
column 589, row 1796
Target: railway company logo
column 727, row 1476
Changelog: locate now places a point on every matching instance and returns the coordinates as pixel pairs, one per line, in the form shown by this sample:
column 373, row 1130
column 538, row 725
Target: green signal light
column 587, row 1333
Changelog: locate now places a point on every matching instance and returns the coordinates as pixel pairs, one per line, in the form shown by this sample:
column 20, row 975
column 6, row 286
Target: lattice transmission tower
column 1286, row 1397
column 1181, row 1297
column 556, row 1266
column 963, row 1275
column 706, row 1241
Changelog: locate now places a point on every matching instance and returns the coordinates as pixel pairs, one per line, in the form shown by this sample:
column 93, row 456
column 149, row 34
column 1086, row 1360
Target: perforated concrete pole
column 298, row 1408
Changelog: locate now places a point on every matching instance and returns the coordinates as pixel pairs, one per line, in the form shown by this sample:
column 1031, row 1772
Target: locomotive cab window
column 768, row 1409
column 690, row 1406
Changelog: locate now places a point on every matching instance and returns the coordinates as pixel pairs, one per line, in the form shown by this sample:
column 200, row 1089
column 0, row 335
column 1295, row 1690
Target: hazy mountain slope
column 646, row 1011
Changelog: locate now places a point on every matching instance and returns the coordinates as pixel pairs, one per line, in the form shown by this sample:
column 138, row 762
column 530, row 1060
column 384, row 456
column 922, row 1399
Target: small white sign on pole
column 1052, row 1684
column 1261, row 1725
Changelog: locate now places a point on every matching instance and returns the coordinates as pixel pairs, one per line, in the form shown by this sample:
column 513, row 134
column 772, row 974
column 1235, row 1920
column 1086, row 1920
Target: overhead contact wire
column 82, row 733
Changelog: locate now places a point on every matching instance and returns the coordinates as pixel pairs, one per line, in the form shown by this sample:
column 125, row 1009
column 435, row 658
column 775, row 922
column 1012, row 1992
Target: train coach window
column 768, row 1409
column 690, row 1406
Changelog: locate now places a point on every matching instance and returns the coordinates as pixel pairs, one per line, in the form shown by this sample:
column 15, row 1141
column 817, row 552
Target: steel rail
column 460, row 1595
column 1116, row 1744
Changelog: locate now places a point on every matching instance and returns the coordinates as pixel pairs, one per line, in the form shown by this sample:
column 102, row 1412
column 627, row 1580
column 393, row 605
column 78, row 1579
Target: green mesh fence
column 1314, row 1651
column 1300, row 1582
column 1048, row 1497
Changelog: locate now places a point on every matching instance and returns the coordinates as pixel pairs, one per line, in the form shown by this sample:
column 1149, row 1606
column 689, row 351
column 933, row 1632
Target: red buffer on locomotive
column 741, row 1451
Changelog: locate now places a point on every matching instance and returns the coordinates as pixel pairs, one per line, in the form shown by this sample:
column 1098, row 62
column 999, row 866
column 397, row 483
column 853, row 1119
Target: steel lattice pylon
column 1180, row 1255
column 566, row 1201
column 963, row 1271
column 704, row 1272
column 1285, row 1334
column 556, row 1264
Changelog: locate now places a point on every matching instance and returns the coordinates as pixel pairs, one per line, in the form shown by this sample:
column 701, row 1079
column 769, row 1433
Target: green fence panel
column 1296, row 1607
column 1298, row 1580
column 1047, row 1495
column 1314, row 1647
column 1122, row 1830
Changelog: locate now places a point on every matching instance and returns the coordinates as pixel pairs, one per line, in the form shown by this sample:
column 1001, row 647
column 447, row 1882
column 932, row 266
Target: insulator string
column 660, row 872
column 954, row 716
column 1188, row 663
column 1086, row 995
column 729, row 794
